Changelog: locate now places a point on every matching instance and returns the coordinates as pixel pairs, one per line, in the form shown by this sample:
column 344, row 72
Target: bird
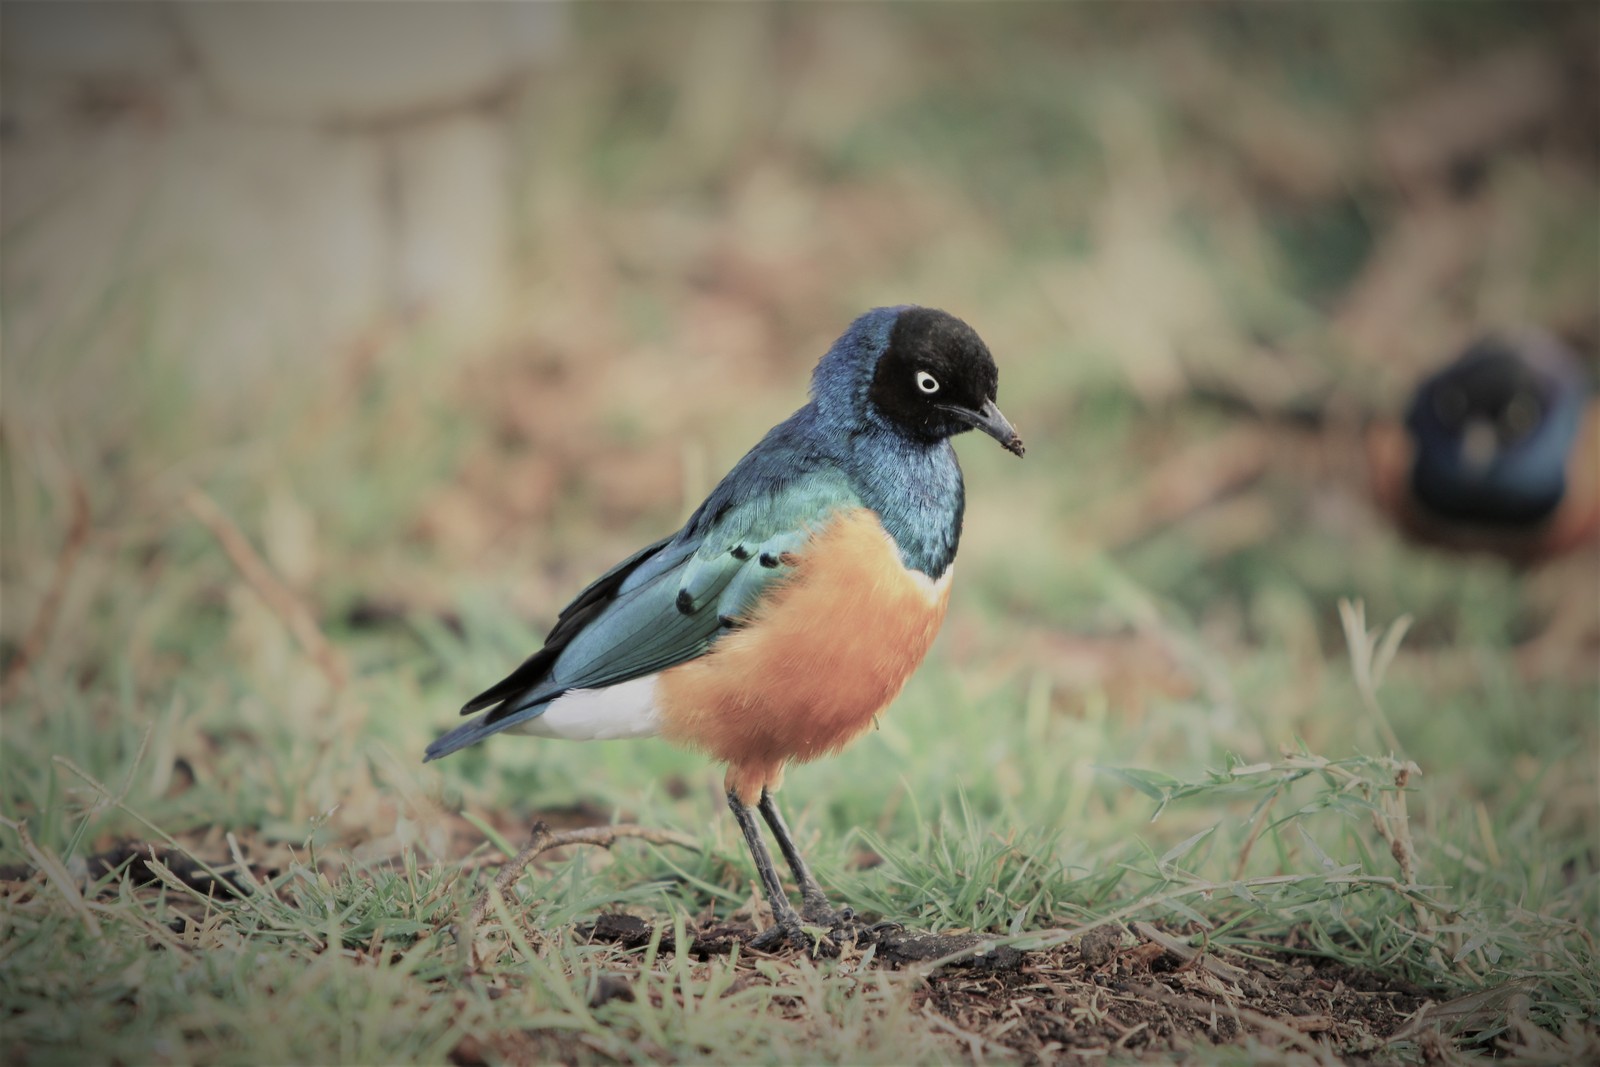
column 791, row 608
column 1499, row 452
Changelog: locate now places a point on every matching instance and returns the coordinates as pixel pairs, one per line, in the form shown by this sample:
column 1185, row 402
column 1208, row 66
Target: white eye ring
column 927, row 382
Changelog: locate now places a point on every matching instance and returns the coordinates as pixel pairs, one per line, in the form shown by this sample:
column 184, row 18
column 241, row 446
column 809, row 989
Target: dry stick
column 1394, row 826
column 283, row 601
column 1500, row 97
column 542, row 840
column 44, row 622
column 1189, row 955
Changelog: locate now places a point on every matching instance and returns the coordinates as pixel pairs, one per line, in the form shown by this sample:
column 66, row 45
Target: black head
column 936, row 379
column 1489, row 392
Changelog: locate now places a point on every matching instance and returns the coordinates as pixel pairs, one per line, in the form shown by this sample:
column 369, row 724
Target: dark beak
column 990, row 421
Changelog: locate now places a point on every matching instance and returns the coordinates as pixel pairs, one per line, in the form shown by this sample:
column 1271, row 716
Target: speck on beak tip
column 992, row 422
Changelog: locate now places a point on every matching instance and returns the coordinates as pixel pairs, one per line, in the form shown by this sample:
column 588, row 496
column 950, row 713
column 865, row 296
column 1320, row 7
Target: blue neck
column 917, row 492
column 914, row 486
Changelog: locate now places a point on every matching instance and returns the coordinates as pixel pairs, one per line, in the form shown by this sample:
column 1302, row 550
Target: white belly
column 627, row 709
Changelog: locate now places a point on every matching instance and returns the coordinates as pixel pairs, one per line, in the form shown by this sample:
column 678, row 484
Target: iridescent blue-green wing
column 585, row 607
column 676, row 613
column 669, row 602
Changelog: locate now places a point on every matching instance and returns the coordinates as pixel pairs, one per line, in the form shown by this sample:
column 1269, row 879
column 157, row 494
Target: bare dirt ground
column 1114, row 990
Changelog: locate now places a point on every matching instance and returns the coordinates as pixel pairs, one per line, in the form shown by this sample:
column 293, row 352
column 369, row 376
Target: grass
column 1137, row 713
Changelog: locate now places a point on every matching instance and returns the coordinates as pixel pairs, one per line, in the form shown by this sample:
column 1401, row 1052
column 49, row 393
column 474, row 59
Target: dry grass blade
column 1198, row 957
column 1370, row 655
column 45, row 620
column 1481, row 1008
column 252, row 900
column 57, row 873
column 289, row 608
column 976, row 1044
column 543, row 839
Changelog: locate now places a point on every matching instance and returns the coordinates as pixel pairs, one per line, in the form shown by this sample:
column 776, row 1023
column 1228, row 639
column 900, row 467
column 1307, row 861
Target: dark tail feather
column 589, row 605
column 470, row 733
column 533, row 671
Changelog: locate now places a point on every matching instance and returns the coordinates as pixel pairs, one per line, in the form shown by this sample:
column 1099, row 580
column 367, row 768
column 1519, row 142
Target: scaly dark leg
column 814, row 901
column 783, row 913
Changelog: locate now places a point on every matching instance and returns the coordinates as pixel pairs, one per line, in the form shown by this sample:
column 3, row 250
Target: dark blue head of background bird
column 1493, row 431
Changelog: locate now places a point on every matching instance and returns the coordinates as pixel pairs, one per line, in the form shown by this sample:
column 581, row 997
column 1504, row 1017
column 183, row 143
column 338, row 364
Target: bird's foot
column 812, row 939
column 816, row 911
column 861, row 934
column 819, row 930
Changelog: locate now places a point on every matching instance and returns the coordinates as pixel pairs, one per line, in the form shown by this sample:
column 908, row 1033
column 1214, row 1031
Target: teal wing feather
column 678, row 612
column 667, row 603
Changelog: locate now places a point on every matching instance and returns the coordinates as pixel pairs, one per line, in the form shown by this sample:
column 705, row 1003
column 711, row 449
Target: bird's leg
column 783, row 913
column 814, row 901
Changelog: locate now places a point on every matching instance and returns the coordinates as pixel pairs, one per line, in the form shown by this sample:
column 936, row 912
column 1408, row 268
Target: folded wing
column 665, row 604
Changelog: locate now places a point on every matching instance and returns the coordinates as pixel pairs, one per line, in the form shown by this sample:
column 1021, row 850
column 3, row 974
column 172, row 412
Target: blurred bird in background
column 1499, row 452
column 1495, row 455
column 799, row 597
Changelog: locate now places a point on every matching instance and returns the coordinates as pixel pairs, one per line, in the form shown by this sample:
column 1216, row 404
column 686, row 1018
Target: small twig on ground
column 284, row 602
column 1199, row 958
column 1393, row 824
column 44, row 620
column 542, row 840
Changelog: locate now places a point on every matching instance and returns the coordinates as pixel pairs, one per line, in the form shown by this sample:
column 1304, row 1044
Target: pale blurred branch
column 284, row 602
column 44, row 621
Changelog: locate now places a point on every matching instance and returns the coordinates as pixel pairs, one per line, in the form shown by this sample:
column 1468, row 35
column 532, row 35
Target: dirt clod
column 903, row 947
column 1098, row 946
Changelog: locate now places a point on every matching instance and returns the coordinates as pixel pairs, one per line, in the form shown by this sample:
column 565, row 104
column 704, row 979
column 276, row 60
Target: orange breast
column 823, row 654
column 1577, row 523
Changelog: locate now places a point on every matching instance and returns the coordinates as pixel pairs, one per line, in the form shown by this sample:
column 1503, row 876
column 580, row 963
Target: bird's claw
column 820, row 930
column 817, row 912
column 812, row 940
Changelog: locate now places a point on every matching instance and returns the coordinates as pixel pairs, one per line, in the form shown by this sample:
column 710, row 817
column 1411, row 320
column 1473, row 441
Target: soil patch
column 1140, row 992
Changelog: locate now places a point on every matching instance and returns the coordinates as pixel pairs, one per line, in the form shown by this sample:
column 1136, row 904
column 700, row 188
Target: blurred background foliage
column 434, row 355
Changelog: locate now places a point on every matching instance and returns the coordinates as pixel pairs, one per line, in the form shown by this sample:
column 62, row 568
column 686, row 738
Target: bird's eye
column 927, row 382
